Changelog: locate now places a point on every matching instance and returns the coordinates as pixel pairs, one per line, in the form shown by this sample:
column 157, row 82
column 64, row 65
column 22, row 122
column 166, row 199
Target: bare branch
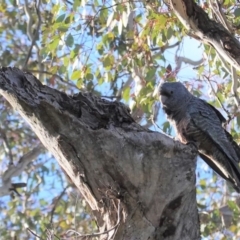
column 16, row 170
column 165, row 47
column 180, row 60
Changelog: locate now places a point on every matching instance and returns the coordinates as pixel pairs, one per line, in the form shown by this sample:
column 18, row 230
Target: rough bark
column 143, row 180
column 209, row 31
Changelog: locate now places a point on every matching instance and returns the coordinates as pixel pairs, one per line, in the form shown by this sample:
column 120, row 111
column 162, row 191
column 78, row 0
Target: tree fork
column 139, row 184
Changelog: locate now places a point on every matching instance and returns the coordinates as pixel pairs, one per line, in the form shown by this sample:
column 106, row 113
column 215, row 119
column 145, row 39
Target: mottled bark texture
column 208, row 31
column 142, row 179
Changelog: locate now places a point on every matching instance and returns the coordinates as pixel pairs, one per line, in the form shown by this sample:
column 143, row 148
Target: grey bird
column 200, row 123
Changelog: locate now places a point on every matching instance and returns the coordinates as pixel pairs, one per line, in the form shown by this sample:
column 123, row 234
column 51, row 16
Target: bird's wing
column 229, row 136
column 207, row 124
column 206, row 119
column 219, row 115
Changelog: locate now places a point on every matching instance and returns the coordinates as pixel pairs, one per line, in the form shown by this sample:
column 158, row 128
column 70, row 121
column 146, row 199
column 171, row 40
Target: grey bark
column 143, row 180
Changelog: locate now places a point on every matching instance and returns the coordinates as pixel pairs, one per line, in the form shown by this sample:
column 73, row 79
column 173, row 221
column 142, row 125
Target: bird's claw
column 192, row 143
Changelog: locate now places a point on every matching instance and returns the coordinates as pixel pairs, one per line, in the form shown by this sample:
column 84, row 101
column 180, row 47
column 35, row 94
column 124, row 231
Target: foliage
column 120, row 50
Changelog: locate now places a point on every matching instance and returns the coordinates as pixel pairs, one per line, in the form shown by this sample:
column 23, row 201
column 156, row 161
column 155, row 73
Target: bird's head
column 173, row 95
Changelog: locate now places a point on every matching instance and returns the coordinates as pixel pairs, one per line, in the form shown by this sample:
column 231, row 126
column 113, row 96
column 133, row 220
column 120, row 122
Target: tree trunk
column 140, row 184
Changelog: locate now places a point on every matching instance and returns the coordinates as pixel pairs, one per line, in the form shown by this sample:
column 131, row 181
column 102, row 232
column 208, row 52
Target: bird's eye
column 171, row 92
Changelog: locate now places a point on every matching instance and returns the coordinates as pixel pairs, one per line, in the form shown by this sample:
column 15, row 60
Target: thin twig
column 56, row 202
column 167, row 46
column 37, row 5
column 33, row 233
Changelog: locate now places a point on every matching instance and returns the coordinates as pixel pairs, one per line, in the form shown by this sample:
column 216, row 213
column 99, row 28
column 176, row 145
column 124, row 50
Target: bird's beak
column 163, row 99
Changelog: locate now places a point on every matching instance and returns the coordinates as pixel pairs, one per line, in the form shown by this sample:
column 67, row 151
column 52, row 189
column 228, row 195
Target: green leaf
column 98, row 73
column 108, row 62
column 54, row 44
column 62, row 69
column 202, row 183
column 69, row 40
column 232, row 204
column 89, row 76
column 80, row 83
column 100, row 81
column 162, row 21
column 169, row 33
column 126, row 94
column 66, row 61
column 100, row 48
column 237, row 12
column 63, row 29
column 76, row 4
column 60, row 18
column 238, row 120
column 151, row 74
column 108, row 77
column 76, row 75
column 54, row 69
column 103, row 15
column 68, row 19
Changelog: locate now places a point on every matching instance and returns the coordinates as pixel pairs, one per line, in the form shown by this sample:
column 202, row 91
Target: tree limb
column 213, row 33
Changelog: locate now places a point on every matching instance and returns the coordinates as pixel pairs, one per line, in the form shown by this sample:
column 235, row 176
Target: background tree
column 119, row 50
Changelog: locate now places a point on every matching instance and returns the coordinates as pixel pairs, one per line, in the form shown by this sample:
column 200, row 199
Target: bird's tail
column 230, row 172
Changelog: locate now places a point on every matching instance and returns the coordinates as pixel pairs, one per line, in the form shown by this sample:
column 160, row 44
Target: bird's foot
column 193, row 145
